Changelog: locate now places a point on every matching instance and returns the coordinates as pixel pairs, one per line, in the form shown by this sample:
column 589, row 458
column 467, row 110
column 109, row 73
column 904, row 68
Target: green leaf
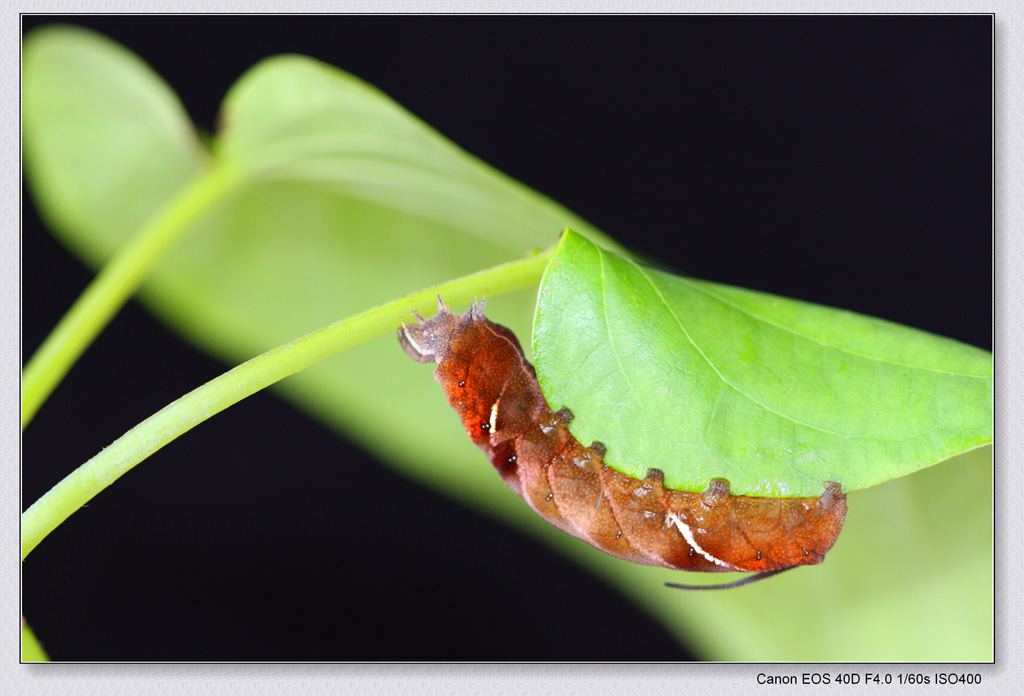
column 703, row 380
column 295, row 119
column 106, row 141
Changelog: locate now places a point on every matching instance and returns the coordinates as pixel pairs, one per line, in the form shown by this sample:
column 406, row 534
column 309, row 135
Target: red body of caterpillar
column 494, row 390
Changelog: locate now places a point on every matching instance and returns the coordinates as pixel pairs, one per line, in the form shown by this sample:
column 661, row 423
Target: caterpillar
column 494, row 390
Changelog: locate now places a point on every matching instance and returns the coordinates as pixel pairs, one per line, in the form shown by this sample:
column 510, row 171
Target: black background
column 844, row 160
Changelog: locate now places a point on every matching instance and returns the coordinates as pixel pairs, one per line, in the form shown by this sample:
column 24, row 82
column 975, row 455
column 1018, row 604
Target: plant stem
column 115, row 283
column 61, row 501
column 31, row 648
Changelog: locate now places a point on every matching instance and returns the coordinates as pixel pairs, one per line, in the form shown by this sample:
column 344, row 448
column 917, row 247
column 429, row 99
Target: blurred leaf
column 350, row 201
column 312, row 237
column 106, row 142
column 296, row 119
column 703, row 380
column 909, row 580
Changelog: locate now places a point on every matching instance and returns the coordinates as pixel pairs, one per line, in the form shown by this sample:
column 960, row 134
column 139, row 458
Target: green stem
column 31, row 648
column 61, row 501
column 118, row 281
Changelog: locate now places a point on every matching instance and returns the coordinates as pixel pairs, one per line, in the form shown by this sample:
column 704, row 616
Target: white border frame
column 496, row 680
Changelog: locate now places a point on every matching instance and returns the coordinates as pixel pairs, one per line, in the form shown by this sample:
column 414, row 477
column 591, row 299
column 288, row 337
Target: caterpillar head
column 425, row 339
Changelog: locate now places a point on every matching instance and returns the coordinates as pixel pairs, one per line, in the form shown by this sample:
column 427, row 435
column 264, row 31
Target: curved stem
column 61, row 501
column 115, row 283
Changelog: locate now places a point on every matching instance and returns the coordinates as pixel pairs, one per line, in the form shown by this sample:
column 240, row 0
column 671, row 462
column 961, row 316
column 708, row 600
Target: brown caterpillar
column 494, row 390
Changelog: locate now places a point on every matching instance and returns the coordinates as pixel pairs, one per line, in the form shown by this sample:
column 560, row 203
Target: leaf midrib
column 741, row 392
column 820, row 342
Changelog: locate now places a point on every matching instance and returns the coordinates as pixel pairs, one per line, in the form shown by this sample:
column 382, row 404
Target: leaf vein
column 739, row 391
column 782, row 327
